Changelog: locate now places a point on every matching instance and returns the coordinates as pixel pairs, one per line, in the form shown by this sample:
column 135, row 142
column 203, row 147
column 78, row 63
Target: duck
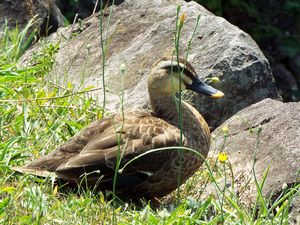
column 92, row 153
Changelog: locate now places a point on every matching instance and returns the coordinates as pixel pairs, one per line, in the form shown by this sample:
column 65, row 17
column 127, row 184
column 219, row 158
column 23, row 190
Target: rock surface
column 21, row 11
column 140, row 33
column 278, row 148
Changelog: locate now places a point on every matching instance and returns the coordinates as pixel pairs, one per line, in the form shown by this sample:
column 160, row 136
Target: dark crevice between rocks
column 83, row 8
column 52, row 21
column 261, row 123
column 80, row 28
column 253, row 127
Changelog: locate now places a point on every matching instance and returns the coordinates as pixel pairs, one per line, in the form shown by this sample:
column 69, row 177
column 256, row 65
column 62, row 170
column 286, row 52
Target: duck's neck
column 193, row 125
column 167, row 108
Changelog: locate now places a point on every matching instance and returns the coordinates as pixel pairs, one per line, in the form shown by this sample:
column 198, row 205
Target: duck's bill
column 203, row 88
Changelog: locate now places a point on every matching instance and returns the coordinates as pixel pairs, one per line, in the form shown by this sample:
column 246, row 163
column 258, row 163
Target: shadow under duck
column 92, row 153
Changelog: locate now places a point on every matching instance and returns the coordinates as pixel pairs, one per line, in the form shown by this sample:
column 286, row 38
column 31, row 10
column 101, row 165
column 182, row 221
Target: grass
column 37, row 115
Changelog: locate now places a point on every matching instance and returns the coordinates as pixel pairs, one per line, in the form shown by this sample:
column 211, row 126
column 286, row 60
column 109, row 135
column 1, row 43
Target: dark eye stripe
column 178, row 69
column 183, row 66
column 189, row 73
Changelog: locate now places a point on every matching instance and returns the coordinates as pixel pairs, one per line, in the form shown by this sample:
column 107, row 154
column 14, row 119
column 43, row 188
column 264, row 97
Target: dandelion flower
column 181, row 19
column 215, row 79
column 55, row 189
column 225, row 130
column 222, row 157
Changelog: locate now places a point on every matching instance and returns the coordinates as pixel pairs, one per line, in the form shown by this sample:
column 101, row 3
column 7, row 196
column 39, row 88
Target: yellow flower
column 215, row 79
column 55, row 189
column 222, row 157
column 225, row 130
column 35, row 152
column 99, row 115
column 181, row 20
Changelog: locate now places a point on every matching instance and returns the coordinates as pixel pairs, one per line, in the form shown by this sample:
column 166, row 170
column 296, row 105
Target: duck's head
column 165, row 79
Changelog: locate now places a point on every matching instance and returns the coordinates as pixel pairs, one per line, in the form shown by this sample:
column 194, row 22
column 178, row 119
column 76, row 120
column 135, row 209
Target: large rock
column 21, row 11
column 141, row 32
column 276, row 147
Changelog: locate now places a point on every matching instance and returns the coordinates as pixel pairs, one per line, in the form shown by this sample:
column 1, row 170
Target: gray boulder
column 278, row 149
column 140, row 33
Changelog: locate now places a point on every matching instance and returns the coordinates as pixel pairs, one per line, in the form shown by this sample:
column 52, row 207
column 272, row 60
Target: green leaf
column 3, row 204
column 8, row 190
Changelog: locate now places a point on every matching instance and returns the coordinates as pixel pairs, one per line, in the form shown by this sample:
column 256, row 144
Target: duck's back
column 96, row 147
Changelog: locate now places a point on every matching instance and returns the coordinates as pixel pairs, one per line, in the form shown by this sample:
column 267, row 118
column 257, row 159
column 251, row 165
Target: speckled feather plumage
column 93, row 151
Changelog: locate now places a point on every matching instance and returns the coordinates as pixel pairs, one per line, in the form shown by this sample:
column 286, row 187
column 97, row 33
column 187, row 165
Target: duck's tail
column 34, row 171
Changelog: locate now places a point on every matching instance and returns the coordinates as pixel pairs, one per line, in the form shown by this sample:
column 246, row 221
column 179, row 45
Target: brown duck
column 92, row 153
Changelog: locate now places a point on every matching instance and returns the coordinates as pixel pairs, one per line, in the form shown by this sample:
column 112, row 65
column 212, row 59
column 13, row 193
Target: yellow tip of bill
column 218, row 94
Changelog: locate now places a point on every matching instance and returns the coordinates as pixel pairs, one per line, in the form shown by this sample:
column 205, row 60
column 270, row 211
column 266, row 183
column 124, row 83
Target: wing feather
column 94, row 151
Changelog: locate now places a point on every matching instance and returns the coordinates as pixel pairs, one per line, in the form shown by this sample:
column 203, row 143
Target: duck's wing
column 130, row 136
